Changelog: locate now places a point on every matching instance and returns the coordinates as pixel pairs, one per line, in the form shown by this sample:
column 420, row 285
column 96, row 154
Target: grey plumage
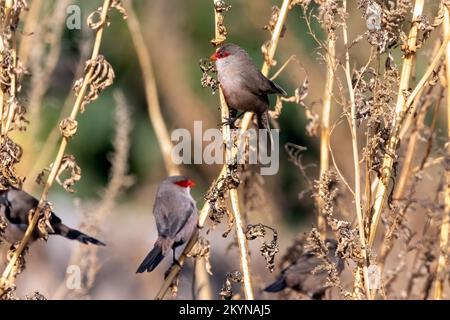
column 299, row 275
column 176, row 217
column 245, row 88
column 15, row 205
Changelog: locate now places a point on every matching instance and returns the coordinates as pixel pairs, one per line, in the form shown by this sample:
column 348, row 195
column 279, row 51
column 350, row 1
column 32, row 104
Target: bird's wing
column 17, row 205
column 260, row 85
column 180, row 222
column 173, row 216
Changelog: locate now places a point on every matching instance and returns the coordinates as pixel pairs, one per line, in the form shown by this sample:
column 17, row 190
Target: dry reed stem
column 230, row 151
column 243, row 246
column 409, row 157
column 442, row 267
column 357, row 169
column 325, row 127
column 8, row 275
column 151, row 92
column 244, row 126
column 400, row 108
column 31, row 22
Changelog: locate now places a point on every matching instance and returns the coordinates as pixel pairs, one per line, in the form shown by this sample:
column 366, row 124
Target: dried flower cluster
column 227, row 289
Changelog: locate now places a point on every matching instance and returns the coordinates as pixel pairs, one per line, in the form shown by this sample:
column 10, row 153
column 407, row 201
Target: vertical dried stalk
column 445, row 225
column 243, row 245
column 325, row 127
column 412, row 143
column 400, row 108
column 230, row 151
column 8, row 274
column 31, row 22
column 409, row 156
column 357, row 173
column 151, row 92
column 244, row 126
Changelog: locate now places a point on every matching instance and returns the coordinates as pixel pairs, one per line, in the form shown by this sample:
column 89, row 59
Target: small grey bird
column 244, row 87
column 299, row 275
column 176, row 217
column 15, row 205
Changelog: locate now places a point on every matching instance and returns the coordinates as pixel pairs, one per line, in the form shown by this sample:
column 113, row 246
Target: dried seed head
column 269, row 248
column 68, row 127
column 68, row 164
column 10, row 155
column 202, row 250
column 232, row 277
column 273, row 22
column 101, row 77
column 117, row 4
column 3, row 226
column 44, row 226
column 36, row 296
column 208, row 75
column 94, row 20
column 221, row 8
column 20, row 264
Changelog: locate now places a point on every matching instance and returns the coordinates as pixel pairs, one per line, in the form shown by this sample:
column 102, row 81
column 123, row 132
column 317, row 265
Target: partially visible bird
column 244, row 87
column 299, row 275
column 15, row 205
column 176, row 217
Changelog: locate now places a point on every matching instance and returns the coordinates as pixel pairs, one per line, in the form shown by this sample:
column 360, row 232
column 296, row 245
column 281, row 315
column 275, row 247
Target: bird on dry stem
column 244, row 87
column 15, row 206
column 309, row 274
column 176, row 218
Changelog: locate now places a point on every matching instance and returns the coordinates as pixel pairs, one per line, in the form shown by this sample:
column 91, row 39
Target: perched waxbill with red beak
column 15, row 206
column 244, row 87
column 176, row 218
column 299, row 276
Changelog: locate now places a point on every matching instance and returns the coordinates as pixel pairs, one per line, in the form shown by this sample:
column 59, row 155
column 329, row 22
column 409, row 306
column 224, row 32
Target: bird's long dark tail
column 73, row 234
column 277, row 286
column 152, row 260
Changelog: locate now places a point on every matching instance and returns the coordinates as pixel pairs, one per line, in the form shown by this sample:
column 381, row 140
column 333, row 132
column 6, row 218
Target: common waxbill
column 176, row 217
column 299, row 276
column 15, row 205
column 244, row 87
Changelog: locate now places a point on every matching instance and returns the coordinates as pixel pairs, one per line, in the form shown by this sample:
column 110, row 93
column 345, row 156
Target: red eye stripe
column 219, row 55
column 185, row 183
column 223, row 54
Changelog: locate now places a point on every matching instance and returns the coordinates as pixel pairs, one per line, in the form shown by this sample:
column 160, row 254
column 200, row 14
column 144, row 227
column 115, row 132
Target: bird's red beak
column 191, row 183
column 214, row 56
